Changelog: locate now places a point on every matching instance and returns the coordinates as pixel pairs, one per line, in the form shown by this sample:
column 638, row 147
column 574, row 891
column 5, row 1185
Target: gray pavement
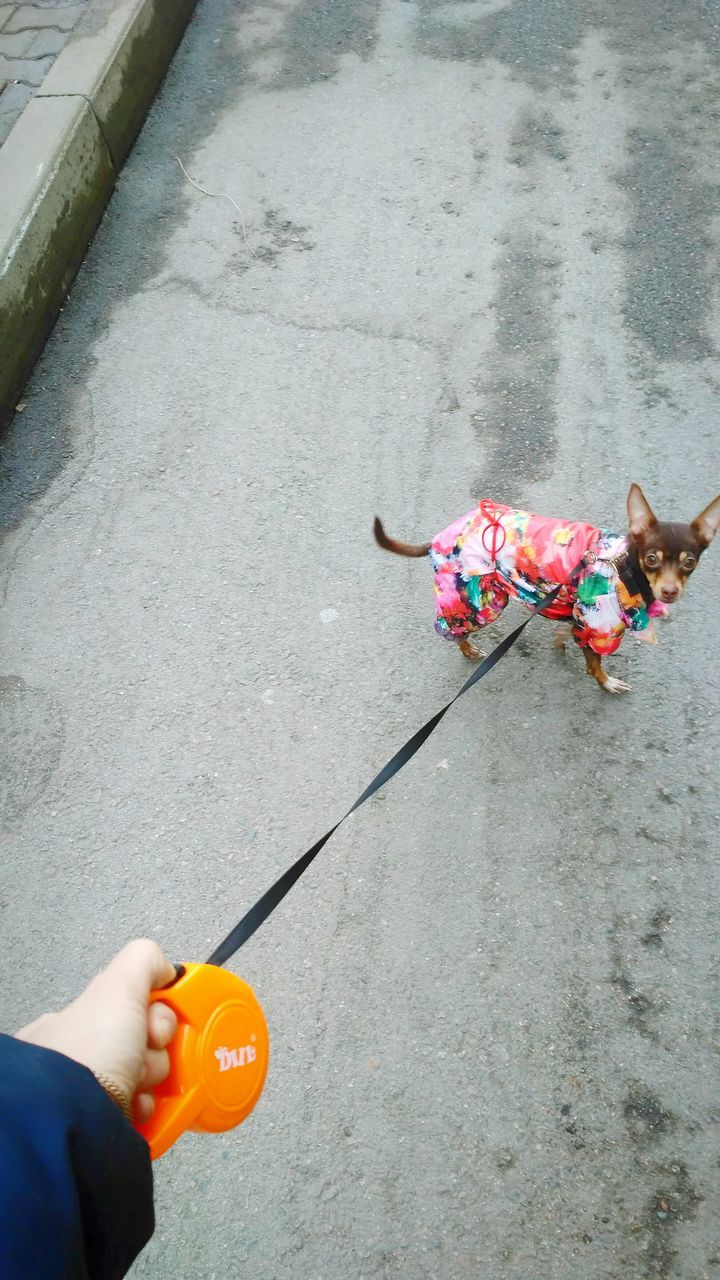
column 468, row 250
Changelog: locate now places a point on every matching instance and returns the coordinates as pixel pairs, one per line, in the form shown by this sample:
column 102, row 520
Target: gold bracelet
column 115, row 1092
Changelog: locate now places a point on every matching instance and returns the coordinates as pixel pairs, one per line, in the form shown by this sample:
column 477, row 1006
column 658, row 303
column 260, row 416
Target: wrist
column 116, row 1094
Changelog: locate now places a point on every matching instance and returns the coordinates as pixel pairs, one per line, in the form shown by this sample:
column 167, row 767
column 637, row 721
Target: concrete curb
column 59, row 164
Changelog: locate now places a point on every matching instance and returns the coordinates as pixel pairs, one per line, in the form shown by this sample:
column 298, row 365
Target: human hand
column 111, row 1029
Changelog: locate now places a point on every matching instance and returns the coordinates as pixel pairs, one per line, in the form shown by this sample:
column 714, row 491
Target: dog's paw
column 471, row 651
column 612, row 685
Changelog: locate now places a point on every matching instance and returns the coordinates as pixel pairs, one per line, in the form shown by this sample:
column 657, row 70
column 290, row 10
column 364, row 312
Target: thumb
column 141, row 967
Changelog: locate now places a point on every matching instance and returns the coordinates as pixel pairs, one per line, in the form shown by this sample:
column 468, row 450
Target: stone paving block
column 7, row 124
column 16, row 44
column 28, row 17
column 47, row 42
column 12, row 103
column 5, row 11
column 26, row 70
column 14, row 97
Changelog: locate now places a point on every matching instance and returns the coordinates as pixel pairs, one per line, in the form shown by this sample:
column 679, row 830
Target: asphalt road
column 468, row 251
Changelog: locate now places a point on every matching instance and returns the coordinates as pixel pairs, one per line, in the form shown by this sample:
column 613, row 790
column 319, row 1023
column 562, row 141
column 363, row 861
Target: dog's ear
column 641, row 517
column 706, row 525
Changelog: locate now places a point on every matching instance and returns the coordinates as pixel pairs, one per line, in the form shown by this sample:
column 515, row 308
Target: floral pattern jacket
column 495, row 552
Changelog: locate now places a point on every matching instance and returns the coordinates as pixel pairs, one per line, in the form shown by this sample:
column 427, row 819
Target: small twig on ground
column 213, row 195
column 192, row 181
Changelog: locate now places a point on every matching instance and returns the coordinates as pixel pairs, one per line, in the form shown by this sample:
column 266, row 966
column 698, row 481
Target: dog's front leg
column 594, row 668
column 470, row 650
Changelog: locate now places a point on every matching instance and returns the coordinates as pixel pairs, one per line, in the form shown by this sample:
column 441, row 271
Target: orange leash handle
column 218, row 1057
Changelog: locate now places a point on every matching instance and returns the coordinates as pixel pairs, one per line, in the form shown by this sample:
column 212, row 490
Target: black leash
column 265, row 905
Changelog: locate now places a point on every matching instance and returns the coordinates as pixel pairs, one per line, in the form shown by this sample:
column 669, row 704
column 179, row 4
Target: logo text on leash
column 240, row 1057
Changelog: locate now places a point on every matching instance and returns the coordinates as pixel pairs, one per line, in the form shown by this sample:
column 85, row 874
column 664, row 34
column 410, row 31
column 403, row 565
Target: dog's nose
column 669, row 594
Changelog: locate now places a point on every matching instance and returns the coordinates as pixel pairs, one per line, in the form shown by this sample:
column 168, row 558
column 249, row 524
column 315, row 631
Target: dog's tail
column 399, row 548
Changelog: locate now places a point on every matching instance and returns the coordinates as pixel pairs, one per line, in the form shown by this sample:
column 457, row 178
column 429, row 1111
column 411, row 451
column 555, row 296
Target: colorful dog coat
column 494, row 552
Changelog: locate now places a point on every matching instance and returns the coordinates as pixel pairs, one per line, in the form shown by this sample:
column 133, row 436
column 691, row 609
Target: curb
column 59, row 165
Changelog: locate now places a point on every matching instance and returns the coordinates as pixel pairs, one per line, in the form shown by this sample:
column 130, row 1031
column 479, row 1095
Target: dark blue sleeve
column 76, row 1193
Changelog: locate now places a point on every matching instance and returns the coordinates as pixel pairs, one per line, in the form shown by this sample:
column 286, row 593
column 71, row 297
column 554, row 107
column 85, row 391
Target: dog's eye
column 688, row 564
column 651, row 560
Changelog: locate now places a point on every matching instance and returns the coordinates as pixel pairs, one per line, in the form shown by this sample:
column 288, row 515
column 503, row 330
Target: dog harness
column 495, row 552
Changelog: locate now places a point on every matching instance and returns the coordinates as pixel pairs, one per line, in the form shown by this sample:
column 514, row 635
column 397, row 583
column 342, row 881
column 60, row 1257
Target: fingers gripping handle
column 218, row 1056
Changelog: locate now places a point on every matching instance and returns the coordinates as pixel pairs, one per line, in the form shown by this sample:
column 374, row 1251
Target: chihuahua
column 496, row 552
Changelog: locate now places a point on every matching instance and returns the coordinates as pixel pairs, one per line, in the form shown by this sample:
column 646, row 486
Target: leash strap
column 272, row 898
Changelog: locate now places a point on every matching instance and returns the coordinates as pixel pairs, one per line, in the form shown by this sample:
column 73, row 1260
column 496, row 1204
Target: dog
column 495, row 552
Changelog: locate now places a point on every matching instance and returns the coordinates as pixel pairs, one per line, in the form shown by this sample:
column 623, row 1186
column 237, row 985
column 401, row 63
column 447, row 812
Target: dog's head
column 668, row 553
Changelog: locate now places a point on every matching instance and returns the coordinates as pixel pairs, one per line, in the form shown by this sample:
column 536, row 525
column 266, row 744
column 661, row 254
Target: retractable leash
column 220, row 1052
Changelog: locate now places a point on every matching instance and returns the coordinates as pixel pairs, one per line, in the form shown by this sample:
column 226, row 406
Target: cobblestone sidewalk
column 31, row 37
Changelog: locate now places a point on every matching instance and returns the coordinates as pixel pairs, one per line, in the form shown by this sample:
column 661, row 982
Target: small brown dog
column 495, row 552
